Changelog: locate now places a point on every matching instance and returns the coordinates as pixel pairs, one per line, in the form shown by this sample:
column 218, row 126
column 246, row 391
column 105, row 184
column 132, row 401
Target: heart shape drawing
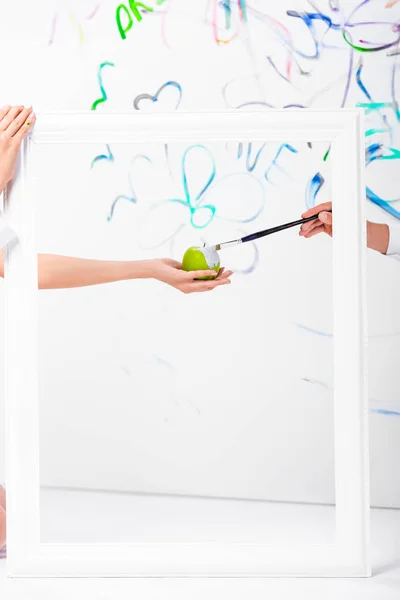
column 155, row 98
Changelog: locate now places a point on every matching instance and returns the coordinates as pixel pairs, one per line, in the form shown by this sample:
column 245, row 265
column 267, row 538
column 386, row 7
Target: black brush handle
column 259, row 234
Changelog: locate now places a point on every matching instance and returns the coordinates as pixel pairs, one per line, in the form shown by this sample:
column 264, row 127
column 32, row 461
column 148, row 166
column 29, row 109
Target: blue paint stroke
column 166, row 152
column 156, row 97
column 368, row 95
column 349, row 72
column 163, row 363
column 243, row 8
column 360, row 83
column 109, row 157
column 377, row 152
column 195, row 203
column 226, row 5
column 377, row 106
column 273, row 65
column 385, row 411
column 251, row 163
column 275, row 159
column 315, row 382
column 393, row 87
column 132, row 198
column 254, row 263
column 308, row 19
column 373, row 152
column 251, row 166
column 384, row 204
column 374, row 131
column 313, row 331
column 255, row 103
column 104, row 96
column 313, row 187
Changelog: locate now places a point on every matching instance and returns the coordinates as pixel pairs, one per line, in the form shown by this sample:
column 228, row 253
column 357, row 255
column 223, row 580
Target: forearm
column 68, row 272
column 378, row 237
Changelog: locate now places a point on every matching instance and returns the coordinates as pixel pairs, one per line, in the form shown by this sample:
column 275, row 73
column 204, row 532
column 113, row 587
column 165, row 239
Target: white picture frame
column 349, row 555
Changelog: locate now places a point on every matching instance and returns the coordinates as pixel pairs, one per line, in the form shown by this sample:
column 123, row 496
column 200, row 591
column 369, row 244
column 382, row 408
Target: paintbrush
column 259, row 234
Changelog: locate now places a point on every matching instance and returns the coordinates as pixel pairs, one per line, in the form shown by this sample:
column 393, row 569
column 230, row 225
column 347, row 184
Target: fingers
column 307, row 227
column 10, row 116
column 4, row 110
column 225, row 275
column 315, row 231
column 200, row 274
column 326, row 218
column 208, row 286
column 323, row 223
column 173, row 263
column 317, row 209
column 19, row 127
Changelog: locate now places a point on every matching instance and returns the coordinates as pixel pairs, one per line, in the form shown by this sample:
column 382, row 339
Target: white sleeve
column 394, row 241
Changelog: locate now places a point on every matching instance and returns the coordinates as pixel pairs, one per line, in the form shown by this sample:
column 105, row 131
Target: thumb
column 326, row 218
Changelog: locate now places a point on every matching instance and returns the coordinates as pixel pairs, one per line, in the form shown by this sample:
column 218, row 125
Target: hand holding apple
column 201, row 259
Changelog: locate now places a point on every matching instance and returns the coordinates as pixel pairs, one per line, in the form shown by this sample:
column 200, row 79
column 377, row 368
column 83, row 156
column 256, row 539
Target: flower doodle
column 208, row 204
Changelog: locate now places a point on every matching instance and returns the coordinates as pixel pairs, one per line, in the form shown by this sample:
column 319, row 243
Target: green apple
column 201, row 259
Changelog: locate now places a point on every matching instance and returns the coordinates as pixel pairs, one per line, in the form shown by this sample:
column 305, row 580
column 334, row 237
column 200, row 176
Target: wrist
column 142, row 269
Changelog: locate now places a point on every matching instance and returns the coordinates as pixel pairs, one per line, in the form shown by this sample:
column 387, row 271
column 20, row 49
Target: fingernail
column 323, row 217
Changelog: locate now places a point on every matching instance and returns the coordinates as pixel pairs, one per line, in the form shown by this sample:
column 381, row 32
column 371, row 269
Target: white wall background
column 53, row 52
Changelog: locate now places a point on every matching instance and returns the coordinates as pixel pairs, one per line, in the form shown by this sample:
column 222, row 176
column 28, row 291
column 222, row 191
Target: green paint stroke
column 134, row 6
column 359, row 48
column 372, row 106
column 100, row 80
column 362, row 49
column 123, row 29
column 374, row 131
column 395, row 154
column 326, row 154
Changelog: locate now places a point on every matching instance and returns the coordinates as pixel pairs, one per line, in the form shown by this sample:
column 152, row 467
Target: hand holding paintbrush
column 323, row 222
column 259, row 234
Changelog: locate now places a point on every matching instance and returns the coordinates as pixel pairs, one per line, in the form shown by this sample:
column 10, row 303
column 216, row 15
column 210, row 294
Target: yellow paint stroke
column 78, row 26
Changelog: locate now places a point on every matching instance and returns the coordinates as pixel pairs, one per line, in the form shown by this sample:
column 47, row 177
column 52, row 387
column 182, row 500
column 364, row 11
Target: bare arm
column 378, row 237
column 57, row 272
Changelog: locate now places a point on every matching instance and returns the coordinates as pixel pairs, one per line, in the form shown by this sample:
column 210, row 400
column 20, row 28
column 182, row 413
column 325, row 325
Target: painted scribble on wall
column 287, row 47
